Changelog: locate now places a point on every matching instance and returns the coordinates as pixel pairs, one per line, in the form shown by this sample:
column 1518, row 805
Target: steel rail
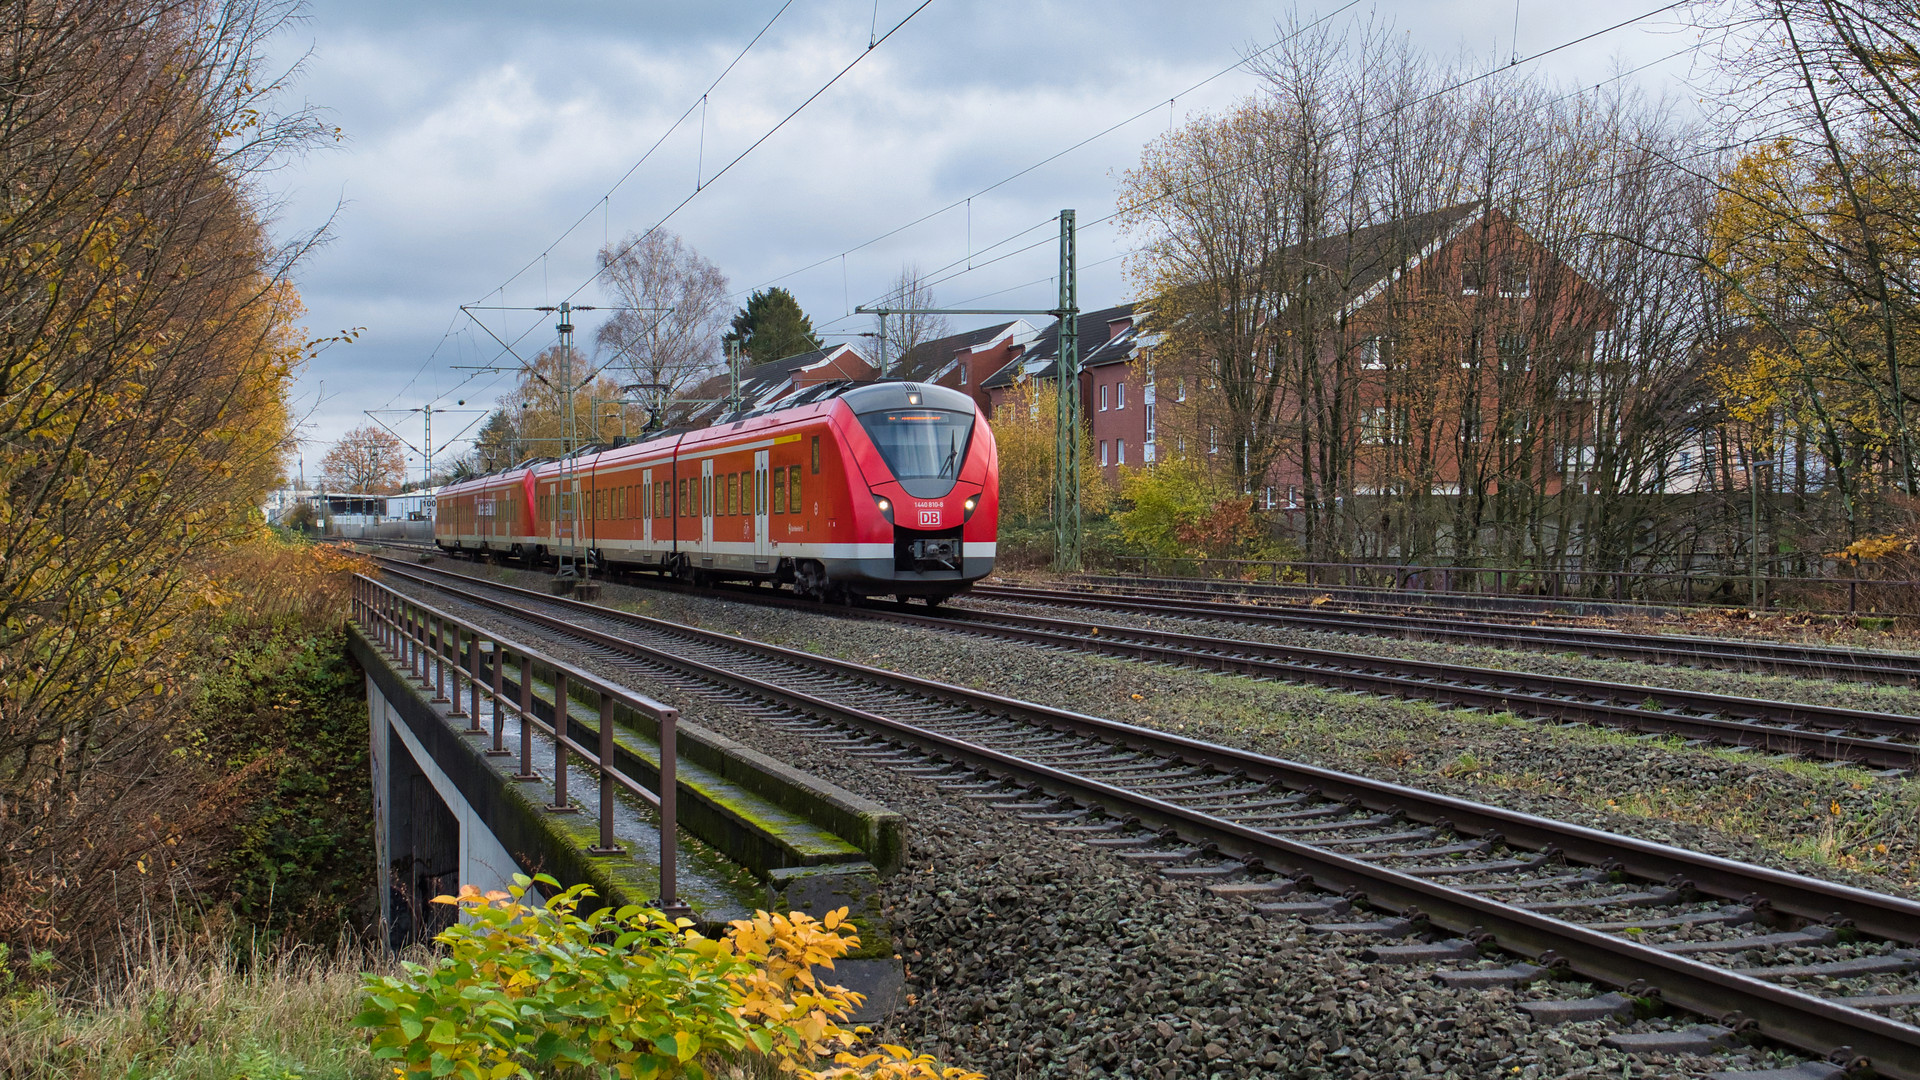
column 1814, row 1025
column 1736, row 721
column 1515, row 604
column 1771, row 656
column 1814, row 731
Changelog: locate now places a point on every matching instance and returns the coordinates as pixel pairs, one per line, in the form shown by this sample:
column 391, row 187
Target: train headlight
column 972, row 502
column 886, row 507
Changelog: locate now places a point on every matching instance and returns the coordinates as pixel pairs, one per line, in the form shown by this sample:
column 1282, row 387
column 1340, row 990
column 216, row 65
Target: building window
column 1149, row 421
column 1269, row 500
column 1103, row 399
column 1372, row 355
column 963, row 373
column 1180, row 389
column 1119, row 451
column 1213, row 440
column 1376, row 426
column 1515, row 281
column 1103, row 451
column 1473, row 277
column 1513, row 352
column 1120, row 395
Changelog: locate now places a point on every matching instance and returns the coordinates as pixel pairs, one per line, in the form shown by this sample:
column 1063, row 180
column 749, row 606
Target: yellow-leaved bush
column 525, row 989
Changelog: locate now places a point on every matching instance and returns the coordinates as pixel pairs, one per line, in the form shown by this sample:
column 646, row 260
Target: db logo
column 929, row 517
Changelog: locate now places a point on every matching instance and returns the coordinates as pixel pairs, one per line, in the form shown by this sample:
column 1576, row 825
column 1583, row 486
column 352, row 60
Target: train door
column 761, row 549
column 706, row 506
column 646, row 508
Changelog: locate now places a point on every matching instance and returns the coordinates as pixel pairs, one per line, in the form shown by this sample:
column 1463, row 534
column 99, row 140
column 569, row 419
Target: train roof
column 861, row 397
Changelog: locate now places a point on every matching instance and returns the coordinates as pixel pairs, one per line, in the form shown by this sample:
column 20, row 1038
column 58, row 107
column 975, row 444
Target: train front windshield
column 925, row 445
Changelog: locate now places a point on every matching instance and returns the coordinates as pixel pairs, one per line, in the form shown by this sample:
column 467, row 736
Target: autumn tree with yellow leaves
column 146, row 345
column 1024, row 431
column 1814, row 235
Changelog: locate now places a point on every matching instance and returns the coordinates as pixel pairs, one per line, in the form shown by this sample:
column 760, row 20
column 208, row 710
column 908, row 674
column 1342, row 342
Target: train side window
column 683, row 498
column 733, row 493
column 779, row 492
column 816, row 455
column 793, row 489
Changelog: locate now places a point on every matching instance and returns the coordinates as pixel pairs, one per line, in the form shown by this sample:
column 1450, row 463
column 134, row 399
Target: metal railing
column 427, row 644
column 1808, row 594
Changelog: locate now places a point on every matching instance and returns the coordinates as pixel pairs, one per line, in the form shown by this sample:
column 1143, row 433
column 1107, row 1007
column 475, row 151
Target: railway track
column 1884, row 741
column 1372, row 598
column 1828, row 970
column 1771, row 657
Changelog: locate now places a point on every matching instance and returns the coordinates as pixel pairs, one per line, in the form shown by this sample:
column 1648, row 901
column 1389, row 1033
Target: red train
column 841, row 491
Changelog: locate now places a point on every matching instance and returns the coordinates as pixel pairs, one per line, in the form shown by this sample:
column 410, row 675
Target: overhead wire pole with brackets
column 426, row 450
column 567, row 489
column 1066, row 432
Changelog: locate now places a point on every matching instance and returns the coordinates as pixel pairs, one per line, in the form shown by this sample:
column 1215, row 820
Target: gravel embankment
column 1031, row 955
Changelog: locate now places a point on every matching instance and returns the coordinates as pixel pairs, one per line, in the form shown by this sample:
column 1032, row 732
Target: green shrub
column 283, row 711
column 1176, row 510
column 628, row 993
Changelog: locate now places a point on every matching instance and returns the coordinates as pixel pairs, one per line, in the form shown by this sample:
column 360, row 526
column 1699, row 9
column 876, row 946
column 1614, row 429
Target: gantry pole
column 1066, row 435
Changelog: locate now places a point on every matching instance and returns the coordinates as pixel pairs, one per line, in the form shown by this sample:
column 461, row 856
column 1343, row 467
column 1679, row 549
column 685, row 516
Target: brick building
column 1114, row 396
column 1435, row 331
column 965, row 361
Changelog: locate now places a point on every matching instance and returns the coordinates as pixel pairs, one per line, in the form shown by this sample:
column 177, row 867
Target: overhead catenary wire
column 770, row 132
column 604, row 202
column 1010, row 177
column 1371, row 118
column 973, row 266
column 874, row 43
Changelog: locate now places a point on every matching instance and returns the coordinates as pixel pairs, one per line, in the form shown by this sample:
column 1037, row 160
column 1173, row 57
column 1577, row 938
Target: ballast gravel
column 1031, row 955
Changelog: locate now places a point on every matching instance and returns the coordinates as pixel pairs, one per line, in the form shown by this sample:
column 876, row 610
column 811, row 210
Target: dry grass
column 197, row 1010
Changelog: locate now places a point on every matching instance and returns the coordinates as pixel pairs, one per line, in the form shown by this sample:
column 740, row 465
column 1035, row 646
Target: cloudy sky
column 483, row 142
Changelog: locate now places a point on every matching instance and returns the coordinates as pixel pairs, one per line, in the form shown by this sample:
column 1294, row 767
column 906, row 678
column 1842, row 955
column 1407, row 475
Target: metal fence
column 442, row 652
column 1830, row 595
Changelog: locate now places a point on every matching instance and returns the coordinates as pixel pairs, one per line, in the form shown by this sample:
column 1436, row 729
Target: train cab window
column 816, row 455
column 779, row 491
column 920, row 444
column 793, row 489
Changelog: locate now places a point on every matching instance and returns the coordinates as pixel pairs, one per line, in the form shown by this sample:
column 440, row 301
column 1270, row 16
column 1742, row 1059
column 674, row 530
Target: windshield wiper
column 953, row 451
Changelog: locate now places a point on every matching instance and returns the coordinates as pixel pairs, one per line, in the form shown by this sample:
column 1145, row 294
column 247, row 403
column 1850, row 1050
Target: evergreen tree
column 772, row 326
